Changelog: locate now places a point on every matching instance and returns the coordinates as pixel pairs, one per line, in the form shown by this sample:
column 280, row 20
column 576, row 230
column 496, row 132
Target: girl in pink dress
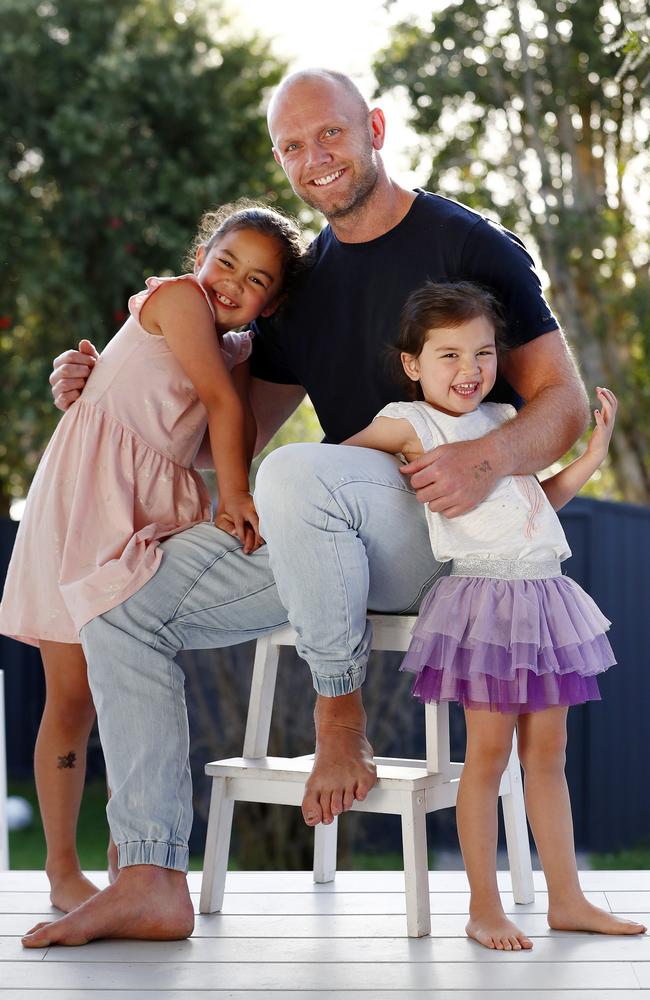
column 118, row 476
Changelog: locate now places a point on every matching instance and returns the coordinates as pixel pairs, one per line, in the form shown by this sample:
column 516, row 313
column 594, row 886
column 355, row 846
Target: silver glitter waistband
column 506, row 569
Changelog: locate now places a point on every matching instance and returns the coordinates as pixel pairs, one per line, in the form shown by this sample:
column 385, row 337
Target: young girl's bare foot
column 493, row 930
column 581, row 915
column 69, row 891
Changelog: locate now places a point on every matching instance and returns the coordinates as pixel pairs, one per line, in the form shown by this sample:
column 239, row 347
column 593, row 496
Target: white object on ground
column 19, row 813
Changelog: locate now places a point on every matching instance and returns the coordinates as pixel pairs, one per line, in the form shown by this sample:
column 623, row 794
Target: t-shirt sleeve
column 494, row 257
column 412, row 413
column 268, row 361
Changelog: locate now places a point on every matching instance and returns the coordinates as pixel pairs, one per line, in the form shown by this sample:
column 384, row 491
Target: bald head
column 305, row 80
column 327, row 141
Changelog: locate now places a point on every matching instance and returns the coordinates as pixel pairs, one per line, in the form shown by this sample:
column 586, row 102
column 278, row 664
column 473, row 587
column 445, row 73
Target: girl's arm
column 562, row 487
column 182, row 316
column 394, row 435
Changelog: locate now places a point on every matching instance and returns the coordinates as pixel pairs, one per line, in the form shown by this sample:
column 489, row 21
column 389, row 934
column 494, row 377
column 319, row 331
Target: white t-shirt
column 515, row 521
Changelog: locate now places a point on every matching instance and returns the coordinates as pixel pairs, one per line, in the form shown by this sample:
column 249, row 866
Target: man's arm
column 272, row 405
column 454, row 478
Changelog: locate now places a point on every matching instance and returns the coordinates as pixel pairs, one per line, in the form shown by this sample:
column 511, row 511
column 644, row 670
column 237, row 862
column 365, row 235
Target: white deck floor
column 278, row 932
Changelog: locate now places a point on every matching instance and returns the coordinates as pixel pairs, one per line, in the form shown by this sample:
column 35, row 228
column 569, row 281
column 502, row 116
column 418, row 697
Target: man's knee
column 282, row 477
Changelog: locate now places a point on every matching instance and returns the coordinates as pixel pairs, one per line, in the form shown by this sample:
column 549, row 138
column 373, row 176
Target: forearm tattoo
column 69, row 760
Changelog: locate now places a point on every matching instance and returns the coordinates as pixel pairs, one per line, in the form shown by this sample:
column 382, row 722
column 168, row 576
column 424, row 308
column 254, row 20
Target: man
column 344, row 529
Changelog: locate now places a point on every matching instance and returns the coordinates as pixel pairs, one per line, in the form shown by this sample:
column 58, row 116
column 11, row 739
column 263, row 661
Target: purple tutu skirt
column 508, row 645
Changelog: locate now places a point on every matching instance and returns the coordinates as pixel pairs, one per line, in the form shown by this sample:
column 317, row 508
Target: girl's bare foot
column 581, row 915
column 493, row 930
column 69, row 891
column 344, row 769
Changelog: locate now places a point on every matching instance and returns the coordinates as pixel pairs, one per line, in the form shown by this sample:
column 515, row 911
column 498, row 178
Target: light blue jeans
column 344, row 532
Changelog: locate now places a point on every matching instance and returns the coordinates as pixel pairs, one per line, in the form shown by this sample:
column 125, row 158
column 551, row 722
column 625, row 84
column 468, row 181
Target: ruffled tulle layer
column 508, row 645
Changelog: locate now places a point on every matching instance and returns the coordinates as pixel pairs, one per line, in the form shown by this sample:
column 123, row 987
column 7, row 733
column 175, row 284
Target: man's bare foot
column 144, row 903
column 344, row 769
column 581, row 915
column 492, row 929
column 69, row 891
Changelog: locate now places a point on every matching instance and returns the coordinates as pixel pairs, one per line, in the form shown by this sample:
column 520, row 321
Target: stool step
column 392, row 772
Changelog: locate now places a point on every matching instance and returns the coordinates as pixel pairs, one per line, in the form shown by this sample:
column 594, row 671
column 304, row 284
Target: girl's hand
column 237, row 516
column 598, row 444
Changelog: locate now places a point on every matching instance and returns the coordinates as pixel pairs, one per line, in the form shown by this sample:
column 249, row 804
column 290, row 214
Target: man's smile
column 328, row 179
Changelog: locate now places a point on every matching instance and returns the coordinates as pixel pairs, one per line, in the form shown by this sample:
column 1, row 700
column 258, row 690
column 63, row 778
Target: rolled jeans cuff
column 153, row 852
column 331, row 686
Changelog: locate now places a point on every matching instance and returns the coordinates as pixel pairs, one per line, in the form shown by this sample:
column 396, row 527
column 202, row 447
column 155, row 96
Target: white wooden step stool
column 407, row 788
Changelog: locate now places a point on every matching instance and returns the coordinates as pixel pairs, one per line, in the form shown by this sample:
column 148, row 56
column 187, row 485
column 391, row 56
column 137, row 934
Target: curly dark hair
column 436, row 305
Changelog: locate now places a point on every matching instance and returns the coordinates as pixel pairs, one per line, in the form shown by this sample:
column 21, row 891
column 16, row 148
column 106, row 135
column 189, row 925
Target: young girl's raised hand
column 598, row 444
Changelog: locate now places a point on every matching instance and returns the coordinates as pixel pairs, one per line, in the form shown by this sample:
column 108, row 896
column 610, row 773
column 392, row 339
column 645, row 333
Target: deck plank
column 569, row 948
column 324, row 903
column 509, row 975
column 348, row 881
column 426, row 994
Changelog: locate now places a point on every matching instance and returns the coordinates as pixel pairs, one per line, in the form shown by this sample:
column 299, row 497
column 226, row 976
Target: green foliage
column 527, row 118
column 634, row 859
column 122, row 123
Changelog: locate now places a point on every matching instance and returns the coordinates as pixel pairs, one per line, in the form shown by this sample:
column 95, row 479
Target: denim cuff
column 333, row 686
column 153, row 852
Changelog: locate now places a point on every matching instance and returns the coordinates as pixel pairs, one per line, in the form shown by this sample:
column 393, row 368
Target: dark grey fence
column 608, row 755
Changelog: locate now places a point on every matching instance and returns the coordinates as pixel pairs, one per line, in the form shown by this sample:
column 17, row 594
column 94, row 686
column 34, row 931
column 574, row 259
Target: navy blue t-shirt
column 331, row 335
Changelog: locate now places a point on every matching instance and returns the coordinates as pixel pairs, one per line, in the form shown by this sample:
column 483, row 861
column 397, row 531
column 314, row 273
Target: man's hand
column 69, row 373
column 454, row 478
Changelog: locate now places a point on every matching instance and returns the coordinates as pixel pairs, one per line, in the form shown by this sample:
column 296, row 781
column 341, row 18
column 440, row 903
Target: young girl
column 117, row 477
column 505, row 634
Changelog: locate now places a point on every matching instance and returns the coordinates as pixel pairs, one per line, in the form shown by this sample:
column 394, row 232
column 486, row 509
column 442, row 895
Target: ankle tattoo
column 69, row 760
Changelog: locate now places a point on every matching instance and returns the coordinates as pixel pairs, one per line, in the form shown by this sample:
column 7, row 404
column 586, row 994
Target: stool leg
column 260, row 704
column 217, row 848
column 416, row 864
column 325, row 851
column 514, row 819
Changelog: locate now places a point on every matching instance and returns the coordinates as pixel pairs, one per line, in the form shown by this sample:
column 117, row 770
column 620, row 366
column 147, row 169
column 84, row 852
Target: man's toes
column 364, row 785
column 514, row 944
column 311, row 810
column 36, row 927
column 38, row 937
column 326, row 808
column 337, row 802
column 348, row 799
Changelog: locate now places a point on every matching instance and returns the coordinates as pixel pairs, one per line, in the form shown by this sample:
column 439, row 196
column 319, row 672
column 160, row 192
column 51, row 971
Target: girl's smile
column 457, row 366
